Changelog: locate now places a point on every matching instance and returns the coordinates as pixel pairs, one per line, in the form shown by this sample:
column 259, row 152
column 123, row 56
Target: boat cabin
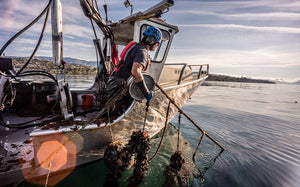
column 134, row 32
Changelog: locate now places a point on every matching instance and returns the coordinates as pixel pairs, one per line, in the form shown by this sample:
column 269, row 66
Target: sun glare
column 55, row 159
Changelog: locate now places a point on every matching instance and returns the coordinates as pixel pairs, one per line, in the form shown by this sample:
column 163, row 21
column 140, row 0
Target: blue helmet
column 153, row 31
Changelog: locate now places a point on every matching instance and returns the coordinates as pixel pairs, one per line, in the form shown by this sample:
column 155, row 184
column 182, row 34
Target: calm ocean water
column 258, row 124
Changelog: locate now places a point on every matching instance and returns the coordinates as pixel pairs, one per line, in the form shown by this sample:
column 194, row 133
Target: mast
column 57, row 51
column 56, row 21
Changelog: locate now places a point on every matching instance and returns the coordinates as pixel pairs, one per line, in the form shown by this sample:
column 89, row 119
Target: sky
column 252, row 38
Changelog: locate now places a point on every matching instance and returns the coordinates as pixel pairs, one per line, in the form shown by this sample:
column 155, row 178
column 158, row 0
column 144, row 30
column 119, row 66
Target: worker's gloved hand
column 149, row 97
column 143, row 87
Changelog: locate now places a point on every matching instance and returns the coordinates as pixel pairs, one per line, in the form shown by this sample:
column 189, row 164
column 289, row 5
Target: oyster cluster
column 177, row 173
column 118, row 157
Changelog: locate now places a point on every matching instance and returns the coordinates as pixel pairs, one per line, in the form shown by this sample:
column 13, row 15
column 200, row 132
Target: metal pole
column 181, row 73
column 57, row 50
column 56, row 21
column 197, row 126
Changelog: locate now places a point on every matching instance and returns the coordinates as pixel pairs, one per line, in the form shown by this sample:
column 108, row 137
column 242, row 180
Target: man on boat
column 134, row 60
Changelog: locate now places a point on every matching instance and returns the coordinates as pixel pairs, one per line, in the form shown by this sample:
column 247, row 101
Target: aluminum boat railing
column 184, row 65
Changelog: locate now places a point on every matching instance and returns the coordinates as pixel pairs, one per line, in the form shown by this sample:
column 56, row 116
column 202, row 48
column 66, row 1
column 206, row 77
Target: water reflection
column 259, row 128
column 80, row 82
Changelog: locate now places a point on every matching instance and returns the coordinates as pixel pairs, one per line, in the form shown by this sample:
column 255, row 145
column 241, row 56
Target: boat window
column 158, row 54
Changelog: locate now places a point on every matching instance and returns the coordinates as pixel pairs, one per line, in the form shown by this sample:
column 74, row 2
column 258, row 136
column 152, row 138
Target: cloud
column 44, row 52
column 266, row 10
column 287, row 4
column 69, row 30
column 242, row 4
column 77, row 30
column 73, row 13
column 48, row 43
column 78, row 44
column 30, row 9
column 260, row 58
column 275, row 16
column 19, row 24
column 26, row 41
column 291, row 30
column 6, row 14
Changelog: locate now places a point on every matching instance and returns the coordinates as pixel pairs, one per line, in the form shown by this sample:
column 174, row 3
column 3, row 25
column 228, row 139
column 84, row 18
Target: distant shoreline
column 81, row 67
column 73, row 68
column 226, row 78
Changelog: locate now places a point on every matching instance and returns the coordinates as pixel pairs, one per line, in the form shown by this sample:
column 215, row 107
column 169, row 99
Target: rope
column 179, row 120
column 197, row 147
column 49, row 170
column 146, row 114
column 162, row 136
column 188, row 117
column 110, row 130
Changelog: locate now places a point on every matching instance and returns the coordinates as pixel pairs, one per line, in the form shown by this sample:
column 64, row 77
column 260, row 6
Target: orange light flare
column 54, row 159
column 52, row 155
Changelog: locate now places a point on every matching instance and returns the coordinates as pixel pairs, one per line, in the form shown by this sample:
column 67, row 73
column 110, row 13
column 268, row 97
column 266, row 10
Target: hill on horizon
column 226, row 78
column 72, row 66
column 70, row 60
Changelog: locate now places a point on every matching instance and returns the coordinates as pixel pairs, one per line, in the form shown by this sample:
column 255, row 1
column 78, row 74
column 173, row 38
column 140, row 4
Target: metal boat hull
column 89, row 143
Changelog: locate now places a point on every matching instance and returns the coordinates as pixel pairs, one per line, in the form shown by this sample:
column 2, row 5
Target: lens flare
column 52, row 155
column 54, row 159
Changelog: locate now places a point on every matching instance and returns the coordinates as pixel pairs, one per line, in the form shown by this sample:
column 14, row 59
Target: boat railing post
column 207, row 65
column 181, row 73
column 190, row 66
column 199, row 73
column 182, row 70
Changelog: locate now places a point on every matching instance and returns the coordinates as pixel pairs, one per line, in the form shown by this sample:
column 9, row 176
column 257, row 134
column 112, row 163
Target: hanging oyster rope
column 118, row 157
